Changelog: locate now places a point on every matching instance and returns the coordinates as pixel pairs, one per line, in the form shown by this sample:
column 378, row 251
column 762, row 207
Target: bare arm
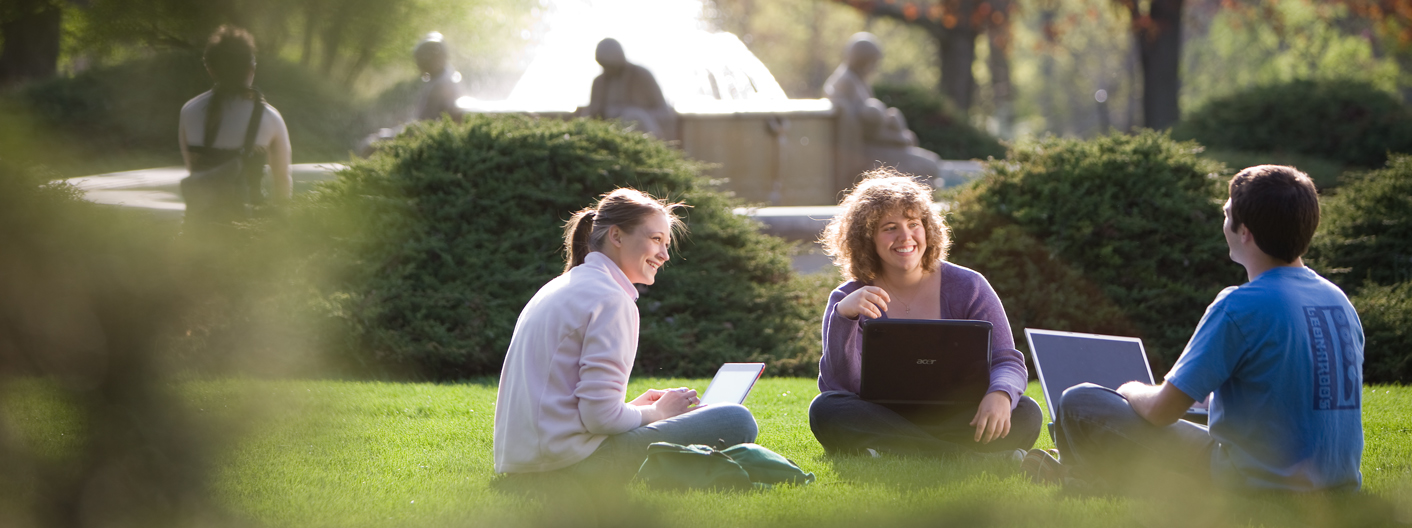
column 1160, row 405
column 280, row 154
column 596, row 103
column 181, row 140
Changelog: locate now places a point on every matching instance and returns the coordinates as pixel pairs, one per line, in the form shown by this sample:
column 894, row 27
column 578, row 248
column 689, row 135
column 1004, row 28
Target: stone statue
column 441, row 83
column 870, row 133
column 628, row 92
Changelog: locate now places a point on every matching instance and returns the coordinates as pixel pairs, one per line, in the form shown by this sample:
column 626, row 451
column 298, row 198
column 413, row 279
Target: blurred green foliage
column 1364, row 244
column 438, row 241
column 939, row 127
column 1348, row 122
column 1235, row 46
column 86, row 294
column 340, row 41
column 1117, row 235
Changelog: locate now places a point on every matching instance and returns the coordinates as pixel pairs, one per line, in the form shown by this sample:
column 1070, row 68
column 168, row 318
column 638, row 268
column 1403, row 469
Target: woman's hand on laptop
column 666, row 403
column 992, row 419
column 868, row 300
column 647, row 398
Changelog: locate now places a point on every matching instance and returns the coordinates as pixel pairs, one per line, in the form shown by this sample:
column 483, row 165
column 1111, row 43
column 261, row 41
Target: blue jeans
column 618, row 458
column 1101, row 437
column 845, row 423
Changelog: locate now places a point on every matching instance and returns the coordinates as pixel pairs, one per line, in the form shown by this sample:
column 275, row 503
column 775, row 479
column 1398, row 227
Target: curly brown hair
column 848, row 239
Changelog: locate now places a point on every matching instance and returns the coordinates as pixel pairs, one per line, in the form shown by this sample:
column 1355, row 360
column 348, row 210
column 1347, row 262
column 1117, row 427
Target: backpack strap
column 257, row 111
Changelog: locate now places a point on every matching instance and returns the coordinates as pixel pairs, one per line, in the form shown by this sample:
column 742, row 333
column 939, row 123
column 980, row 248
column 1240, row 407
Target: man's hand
column 992, row 419
column 1160, row 405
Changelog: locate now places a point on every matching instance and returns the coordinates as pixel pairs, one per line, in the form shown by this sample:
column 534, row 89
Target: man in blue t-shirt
column 1283, row 355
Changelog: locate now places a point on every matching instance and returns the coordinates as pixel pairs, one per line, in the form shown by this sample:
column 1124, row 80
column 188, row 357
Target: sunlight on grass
column 328, row 453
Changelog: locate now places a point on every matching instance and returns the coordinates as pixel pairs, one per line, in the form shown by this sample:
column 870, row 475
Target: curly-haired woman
column 891, row 247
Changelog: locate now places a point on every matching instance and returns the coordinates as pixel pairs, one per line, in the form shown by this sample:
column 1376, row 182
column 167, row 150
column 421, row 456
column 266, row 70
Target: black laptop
column 925, row 362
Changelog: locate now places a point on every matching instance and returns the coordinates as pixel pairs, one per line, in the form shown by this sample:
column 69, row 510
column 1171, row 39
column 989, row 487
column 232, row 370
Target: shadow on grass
column 914, row 471
column 978, row 492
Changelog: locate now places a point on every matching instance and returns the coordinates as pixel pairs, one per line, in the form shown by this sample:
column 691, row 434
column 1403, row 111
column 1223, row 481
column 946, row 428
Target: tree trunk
column 957, row 51
column 1048, row 13
column 999, row 64
column 1130, row 68
column 1405, row 61
column 333, row 39
column 31, row 42
column 1160, row 46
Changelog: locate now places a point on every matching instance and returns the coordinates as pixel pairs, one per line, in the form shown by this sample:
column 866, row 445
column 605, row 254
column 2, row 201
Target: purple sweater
column 965, row 294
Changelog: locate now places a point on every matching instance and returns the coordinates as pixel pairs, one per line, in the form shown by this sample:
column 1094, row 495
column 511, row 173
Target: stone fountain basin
column 158, row 190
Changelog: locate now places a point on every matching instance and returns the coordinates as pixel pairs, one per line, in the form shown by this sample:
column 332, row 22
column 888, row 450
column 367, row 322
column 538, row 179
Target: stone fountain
column 722, row 105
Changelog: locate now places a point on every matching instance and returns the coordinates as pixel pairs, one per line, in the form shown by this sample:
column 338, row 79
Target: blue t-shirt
column 1284, row 355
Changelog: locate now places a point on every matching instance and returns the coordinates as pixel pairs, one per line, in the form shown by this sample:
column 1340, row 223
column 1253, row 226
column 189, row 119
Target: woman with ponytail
column 214, row 125
column 561, row 403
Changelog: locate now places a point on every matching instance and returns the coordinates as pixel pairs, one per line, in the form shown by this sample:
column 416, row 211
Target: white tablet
column 733, row 383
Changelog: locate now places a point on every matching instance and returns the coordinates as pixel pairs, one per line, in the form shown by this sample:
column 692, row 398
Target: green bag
column 741, row 466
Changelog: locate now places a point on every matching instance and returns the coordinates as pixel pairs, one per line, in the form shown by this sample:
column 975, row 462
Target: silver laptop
column 1065, row 359
column 732, row 383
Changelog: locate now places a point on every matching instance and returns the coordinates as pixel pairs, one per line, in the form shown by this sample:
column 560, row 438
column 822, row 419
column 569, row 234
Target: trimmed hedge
column 1117, row 235
column 1386, row 314
column 1348, row 122
column 1365, row 234
column 439, row 240
column 939, row 127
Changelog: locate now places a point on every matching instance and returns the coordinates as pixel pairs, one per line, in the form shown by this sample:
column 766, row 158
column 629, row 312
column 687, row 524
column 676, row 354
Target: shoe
column 1043, row 468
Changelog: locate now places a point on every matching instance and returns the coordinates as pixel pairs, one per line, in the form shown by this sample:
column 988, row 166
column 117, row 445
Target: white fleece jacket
column 564, row 384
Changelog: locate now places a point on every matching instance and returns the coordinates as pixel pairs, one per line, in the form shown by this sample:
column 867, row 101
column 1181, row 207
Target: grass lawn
column 326, row 453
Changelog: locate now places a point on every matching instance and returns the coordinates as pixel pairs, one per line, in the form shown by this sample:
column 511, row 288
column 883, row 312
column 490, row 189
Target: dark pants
column 1102, row 438
column 844, row 423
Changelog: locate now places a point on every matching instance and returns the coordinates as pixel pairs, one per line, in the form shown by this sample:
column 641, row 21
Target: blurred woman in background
column 216, row 125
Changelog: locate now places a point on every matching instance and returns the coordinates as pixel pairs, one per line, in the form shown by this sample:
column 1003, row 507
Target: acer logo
column 925, row 361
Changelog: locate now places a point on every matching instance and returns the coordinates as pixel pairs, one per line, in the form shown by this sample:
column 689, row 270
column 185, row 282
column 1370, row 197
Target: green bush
column 1325, row 173
column 440, row 239
column 1386, row 313
column 1350, row 122
column 939, row 127
column 1118, row 234
column 105, row 116
column 1365, row 233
